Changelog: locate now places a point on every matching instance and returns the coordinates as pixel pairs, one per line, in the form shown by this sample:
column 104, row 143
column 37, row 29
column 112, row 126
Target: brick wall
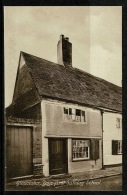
column 38, row 170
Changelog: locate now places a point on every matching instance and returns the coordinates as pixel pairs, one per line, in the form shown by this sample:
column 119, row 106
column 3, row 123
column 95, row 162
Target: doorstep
column 60, row 176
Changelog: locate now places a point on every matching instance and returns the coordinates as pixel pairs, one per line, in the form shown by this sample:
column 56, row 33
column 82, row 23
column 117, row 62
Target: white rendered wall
column 54, row 126
column 111, row 132
column 82, row 166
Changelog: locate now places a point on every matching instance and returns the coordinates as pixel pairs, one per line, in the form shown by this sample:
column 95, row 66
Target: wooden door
column 18, row 151
column 58, row 160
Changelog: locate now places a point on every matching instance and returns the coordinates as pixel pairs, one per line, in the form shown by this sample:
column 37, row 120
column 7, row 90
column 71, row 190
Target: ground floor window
column 120, row 147
column 116, row 147
column 80, row 149
column 85, row 149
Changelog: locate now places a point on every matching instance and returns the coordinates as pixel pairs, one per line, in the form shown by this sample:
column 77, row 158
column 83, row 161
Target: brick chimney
column 64, row 52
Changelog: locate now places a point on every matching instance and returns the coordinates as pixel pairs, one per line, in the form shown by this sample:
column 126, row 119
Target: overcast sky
column 95, row 34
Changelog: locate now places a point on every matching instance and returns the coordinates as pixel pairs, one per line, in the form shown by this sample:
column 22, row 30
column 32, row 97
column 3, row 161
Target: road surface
column 113, row 183
column 102, row 184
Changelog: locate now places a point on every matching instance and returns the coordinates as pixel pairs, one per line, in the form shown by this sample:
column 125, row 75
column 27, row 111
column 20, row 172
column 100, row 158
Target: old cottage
column 62, row 119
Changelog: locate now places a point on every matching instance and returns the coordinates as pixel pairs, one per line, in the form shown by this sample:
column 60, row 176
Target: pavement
column 102, row 173
column 63, row 179
column 89, row 175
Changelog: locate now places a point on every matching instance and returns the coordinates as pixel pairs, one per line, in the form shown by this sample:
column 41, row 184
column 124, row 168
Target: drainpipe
column 102, row 111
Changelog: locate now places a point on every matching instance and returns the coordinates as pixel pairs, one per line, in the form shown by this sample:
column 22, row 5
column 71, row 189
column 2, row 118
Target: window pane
column 83, row 113
column 70, row 111
column 80, row 149
column 73, row 111
column 78, row 112
column 83, row 116
column 65, row 110
column 118, row 122
column 74, row 142
column 119, row 147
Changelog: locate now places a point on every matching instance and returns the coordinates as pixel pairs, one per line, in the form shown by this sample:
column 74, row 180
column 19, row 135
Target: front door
column 58, row 156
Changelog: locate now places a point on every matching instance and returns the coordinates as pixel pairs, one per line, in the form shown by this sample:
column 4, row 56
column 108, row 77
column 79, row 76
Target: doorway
column 58, row 156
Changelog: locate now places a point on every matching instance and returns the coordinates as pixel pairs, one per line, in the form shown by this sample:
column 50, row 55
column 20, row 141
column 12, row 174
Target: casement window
column 118, row 122
column 85, row 149
column 116, row 147
column 74, row 115
column 81, row 149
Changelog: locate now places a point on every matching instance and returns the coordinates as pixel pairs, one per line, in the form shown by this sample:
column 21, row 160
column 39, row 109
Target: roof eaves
column 80, row 103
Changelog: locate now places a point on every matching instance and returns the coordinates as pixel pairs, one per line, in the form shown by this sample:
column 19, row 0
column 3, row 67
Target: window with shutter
column 94, row 152
column 116, row 147
column 80, row 149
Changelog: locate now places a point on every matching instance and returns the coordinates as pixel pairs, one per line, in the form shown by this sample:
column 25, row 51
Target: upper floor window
column 118, row 122
column 74, row 115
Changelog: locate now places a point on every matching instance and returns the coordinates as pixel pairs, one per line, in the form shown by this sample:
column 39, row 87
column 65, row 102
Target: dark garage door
column 18, row 151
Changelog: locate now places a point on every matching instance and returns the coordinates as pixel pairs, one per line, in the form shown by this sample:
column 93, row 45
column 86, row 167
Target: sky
column 95, row 34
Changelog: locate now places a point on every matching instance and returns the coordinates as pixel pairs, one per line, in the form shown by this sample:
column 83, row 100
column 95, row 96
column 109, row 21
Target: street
column 102, row 184
column 113, row 183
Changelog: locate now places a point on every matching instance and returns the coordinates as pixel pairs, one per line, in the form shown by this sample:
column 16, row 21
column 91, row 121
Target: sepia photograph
column 63, row 98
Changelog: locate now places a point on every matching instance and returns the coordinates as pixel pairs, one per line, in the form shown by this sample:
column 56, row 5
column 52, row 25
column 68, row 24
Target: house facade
column 71, row 139
column 71, row 106
column 112, row 138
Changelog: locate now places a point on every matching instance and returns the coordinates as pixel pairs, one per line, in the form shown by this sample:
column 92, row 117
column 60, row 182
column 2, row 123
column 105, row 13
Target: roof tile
column 71, row 84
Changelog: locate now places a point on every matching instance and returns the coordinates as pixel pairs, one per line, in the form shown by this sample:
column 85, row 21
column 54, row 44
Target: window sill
column 75, row 122
column 78, row 160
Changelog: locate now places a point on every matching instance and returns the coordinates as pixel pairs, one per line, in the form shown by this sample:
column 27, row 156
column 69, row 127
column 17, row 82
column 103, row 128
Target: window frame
column 118, row 122
column 116, row 149
column 119, row 142
column 81, row 159
column 71, row 118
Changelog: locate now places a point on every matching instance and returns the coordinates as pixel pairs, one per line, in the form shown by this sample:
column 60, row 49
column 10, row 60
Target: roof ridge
column 98, row 78
column 41, row 58
column 73, row 68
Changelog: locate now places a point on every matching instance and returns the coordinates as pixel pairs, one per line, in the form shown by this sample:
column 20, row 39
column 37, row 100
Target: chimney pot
column 61, row 36
column 67, row 39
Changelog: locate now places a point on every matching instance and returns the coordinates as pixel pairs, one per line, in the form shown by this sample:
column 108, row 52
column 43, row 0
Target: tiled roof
column 71, row 84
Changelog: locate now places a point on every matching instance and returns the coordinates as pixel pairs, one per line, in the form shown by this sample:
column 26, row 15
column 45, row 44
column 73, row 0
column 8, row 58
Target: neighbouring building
column 112, row 138
column 62, row 119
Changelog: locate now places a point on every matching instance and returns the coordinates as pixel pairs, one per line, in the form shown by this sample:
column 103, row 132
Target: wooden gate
column 18, row 151
column 58, row 161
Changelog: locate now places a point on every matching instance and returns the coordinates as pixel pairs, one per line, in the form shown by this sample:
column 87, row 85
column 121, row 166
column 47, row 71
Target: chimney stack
column 64, row 52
